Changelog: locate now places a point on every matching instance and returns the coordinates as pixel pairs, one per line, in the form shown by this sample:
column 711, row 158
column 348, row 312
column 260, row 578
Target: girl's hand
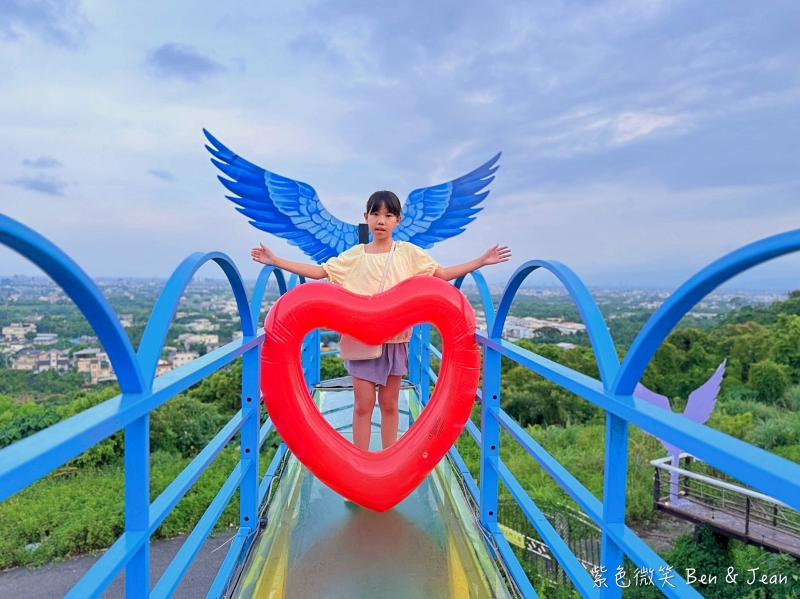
column 263, row 254
column 495, row 255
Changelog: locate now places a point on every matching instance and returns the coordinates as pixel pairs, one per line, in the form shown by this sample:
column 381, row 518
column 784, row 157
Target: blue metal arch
column 599, row 337
column 261, row 286
column 486, row 296
column 155, row 333
column 295, row 280
column 86, row 295
column 692, row 291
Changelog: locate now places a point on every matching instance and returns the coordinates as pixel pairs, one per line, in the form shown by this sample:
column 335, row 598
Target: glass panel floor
column 317, row 546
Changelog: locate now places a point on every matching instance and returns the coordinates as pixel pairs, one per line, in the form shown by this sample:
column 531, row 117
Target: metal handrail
column 746, row 503
column 660, row 463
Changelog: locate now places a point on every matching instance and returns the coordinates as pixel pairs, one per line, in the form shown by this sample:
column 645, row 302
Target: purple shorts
column 393, row 360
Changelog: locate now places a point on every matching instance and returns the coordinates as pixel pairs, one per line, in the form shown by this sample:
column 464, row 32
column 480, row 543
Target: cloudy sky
column 641, row 139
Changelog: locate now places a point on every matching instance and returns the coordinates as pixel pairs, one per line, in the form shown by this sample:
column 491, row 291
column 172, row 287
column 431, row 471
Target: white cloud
column 631, row 125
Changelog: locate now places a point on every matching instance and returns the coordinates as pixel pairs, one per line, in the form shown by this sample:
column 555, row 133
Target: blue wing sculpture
column 292, row 210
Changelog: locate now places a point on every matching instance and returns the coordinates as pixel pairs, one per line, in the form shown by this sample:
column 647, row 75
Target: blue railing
column 770, row 474
column 26, row 461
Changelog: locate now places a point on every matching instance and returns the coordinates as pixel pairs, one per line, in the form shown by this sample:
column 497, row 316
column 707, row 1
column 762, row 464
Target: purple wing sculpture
column 703, row 399
column 699, row 406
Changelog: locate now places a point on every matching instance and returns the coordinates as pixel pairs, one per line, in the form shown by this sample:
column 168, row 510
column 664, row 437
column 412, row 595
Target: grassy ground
column 82, row 511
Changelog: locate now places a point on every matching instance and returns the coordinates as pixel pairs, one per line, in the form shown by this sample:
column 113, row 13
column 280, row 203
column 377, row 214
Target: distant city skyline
column 641, row 140
column 729, row 291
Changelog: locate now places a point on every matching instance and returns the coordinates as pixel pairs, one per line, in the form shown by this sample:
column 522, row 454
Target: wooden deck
column 733, row 525
column 726, row 506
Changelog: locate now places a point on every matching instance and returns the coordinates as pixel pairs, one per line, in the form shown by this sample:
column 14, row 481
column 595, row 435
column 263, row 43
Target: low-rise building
column 189, row 339
column 18, row 330
column 183, row 357
column 201, row 325
column 526, row 328
column 513, row 331
column 25, row 359
column 212, row 346
column 163, row 367
column 35, row 360
column 87, row 339
column 45, row 339
column 94, row 363
column 53, row 359
column 228, row 307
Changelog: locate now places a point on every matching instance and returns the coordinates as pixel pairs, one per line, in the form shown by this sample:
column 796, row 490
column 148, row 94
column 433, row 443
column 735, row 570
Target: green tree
column 135, row 334
column 769, row 380
column 184, row 424
column 331, row 367
column 222, row 388
column 786, row 344
column 743, row 345
column 705, row 553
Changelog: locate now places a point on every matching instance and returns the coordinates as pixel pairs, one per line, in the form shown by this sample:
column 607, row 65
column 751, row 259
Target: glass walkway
column 316, row 545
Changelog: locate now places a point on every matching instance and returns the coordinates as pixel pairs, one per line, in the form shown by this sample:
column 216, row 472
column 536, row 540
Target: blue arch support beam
column 155, row 333
column 600, row 338
column 615, row 467
column 485, row 294
column 686, row 297
column 35, row 456
column 83, row 291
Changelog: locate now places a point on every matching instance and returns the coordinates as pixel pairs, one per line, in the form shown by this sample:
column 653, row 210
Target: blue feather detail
column 292, row 210
column 436, row 213
column 284, row 207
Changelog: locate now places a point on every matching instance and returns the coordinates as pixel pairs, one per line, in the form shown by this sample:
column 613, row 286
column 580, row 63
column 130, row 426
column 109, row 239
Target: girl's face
column 381, row 222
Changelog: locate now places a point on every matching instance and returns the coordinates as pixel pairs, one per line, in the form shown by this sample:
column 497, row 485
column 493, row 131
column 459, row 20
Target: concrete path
column 54, row 581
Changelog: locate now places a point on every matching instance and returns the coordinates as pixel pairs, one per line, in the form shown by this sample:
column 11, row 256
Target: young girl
column 360, row 270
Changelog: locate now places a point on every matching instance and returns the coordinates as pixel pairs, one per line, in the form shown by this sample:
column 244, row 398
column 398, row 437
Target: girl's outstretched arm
column 264, row 255
column 494, row 255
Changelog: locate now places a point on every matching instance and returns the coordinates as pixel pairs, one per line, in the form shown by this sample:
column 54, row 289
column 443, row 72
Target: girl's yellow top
column 361, row 273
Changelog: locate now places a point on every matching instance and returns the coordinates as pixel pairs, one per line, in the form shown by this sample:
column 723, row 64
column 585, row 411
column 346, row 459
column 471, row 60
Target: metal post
column 747, row 515
column 137, row 504
column 414, row 360
column 656, row 487
column 490, row 438
column 425, row 359
column 248, row 492
column 775, row 515
column 686, row 481
column 614, row 488
column 310, row 357
column 313, row 368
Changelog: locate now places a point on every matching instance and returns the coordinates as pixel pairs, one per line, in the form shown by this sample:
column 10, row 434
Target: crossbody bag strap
column 386, row 268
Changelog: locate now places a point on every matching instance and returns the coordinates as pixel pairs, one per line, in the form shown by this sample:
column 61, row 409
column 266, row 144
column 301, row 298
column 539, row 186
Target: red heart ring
column 378, row 480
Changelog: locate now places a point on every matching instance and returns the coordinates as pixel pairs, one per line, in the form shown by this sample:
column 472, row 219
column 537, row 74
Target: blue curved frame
column 759, row 469
column 600, row 338
column 28, row 460
column 33, row 457
column 83, row 291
